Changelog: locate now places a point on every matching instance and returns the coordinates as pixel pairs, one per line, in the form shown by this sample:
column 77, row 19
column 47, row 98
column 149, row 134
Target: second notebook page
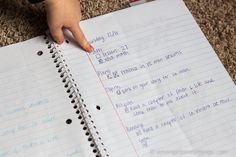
column 154, row 85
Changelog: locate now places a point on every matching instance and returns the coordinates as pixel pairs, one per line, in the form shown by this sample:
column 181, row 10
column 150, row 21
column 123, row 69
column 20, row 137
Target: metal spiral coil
column 77, row 101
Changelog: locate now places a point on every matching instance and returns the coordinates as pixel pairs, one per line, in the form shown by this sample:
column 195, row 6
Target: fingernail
column 59, row 42
column 90, row 49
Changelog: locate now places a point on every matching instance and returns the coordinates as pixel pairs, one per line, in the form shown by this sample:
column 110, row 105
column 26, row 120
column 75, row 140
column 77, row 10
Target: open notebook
column 153, row 87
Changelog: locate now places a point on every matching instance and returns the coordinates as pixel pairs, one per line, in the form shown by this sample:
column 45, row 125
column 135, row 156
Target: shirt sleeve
column 35, row 1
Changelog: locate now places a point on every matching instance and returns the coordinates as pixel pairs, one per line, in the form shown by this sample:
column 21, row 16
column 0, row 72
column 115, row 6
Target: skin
column 66, row 14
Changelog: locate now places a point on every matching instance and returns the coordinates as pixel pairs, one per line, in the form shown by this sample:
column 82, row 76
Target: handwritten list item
column 161, row 87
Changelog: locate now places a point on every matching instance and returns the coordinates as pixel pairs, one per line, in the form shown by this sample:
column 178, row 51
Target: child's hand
column 66, row 14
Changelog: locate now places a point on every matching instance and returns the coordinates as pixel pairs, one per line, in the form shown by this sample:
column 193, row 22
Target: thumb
column 80, row 38
column 57, row 34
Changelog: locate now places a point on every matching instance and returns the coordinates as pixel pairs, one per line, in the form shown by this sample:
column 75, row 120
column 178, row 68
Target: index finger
column 80, row 38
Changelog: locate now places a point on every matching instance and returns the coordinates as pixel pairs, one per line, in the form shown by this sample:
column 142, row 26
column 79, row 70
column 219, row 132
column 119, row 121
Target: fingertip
column 57, row 34
column 59, row 37
column 60, row 41
column 89, row 48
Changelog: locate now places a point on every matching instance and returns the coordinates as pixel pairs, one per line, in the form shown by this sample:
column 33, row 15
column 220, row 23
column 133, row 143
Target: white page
column 34, row 106
column 161, row 88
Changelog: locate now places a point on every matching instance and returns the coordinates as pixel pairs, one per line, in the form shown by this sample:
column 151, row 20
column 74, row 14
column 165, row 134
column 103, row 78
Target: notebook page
column 34, row 106
column 161, row 89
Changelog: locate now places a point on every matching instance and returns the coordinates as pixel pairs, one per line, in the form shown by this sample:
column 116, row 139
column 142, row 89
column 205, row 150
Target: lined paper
column 34, row 106
column 161, row 88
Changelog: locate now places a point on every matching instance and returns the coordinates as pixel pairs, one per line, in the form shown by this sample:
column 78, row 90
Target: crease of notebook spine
column 77, row 102
column 136, row 2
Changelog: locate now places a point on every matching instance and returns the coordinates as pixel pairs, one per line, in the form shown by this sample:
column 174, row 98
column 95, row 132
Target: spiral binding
column 77, row 101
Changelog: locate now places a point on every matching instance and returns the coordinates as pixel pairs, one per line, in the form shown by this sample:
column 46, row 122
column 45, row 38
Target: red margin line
column 113, row 105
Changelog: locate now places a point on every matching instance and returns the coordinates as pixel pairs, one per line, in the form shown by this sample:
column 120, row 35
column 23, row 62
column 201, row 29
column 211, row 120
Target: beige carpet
column 217, row 18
